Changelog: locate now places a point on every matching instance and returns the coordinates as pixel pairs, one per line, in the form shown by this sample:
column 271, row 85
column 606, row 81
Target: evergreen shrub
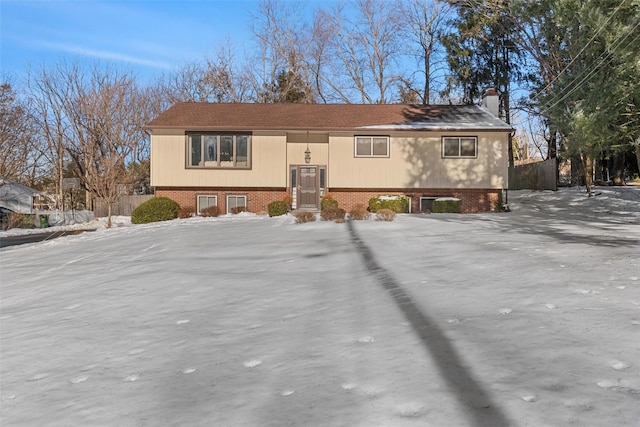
column 447, row 205
column 154, row 210
column 328, row 202
column 277, row 208
column 398, row 204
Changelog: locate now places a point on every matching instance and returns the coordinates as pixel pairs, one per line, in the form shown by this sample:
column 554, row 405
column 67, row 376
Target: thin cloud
column 103, row 54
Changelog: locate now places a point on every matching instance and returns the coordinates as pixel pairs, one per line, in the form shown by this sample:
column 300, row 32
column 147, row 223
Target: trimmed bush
column 211, row 211
column 447, row 205
column 359, row 212
column 154, row 210
column 238, row 209
column 328, row 202
column 187, row 212
column 398, row 204
column 332, row 214
column 385, row 215
column 277, row 208
column 302, row 217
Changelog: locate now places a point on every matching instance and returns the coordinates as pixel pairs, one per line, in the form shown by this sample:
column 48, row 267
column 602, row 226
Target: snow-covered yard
column 527, row 318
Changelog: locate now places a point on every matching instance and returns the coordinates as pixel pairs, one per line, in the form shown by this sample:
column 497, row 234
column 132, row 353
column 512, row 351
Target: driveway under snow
column 528, row 318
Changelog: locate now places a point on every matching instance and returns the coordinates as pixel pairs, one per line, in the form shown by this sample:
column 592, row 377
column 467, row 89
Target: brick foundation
column 473, row 200
column 257, row 199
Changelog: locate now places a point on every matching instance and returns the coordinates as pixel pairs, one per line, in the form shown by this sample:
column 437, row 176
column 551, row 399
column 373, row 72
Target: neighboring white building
column 17, row 197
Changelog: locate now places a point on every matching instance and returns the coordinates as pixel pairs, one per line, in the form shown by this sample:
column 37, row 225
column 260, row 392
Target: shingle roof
column 336, row 117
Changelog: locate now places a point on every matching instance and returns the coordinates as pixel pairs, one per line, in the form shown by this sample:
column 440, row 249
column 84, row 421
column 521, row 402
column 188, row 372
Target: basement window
column 236, row 203
column 205, row 201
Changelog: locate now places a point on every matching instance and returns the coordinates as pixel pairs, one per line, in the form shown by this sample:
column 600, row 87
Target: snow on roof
column 466, row 117
column 15, row 196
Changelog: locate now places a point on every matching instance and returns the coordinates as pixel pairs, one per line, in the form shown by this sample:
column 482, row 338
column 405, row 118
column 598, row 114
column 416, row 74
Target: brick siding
column 473, row 200
column 257, row 200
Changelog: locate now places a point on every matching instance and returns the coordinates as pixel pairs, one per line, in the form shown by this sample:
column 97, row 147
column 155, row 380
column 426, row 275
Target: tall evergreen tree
column 595, row 97
column 482, row 52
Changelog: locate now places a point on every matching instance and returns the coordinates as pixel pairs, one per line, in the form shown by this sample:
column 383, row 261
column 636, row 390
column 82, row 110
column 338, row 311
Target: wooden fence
column 124, row 206
column 534, row 176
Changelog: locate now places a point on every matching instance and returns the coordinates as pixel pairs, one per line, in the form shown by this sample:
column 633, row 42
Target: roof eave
column 149, row 129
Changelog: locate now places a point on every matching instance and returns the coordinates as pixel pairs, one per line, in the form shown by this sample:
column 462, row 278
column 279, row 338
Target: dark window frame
column 371, row 139
column 216, row 160
column 459, row 140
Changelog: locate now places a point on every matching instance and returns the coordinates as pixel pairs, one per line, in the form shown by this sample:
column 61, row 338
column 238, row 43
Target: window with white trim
column 205, row 201
column 465, row 147
column 372, row 146
column 236, row 203
column 426, row 204
column 219, row 151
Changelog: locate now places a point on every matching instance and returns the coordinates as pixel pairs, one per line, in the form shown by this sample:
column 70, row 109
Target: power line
column 581, row 50
column 604, row 58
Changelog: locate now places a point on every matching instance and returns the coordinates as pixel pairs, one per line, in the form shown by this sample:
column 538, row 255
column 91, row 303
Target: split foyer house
column 233, row 155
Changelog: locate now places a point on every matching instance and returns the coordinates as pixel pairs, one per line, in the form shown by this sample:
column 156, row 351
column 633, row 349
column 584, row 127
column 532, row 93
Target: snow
column 469, row 117
column 526, row 318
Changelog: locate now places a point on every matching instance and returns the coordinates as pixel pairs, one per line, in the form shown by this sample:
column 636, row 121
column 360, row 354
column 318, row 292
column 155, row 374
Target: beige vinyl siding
column 297, row 143
column 268, row 164
column 319, row 154
column 415, row 161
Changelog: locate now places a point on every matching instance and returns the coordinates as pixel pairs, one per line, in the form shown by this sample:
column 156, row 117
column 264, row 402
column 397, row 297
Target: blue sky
column 147, row 37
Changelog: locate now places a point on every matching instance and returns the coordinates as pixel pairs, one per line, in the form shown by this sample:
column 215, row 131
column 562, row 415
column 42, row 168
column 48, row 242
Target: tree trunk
column 617, row 169
column 552, row 151
column 426, row 95
column 587, row 170
column 109, row 215
column 60, row 202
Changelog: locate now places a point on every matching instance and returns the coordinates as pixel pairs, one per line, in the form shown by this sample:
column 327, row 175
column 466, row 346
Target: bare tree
column 93, row 118
column 20, row 159
column 281, row 33
column 214, row 79
column 360, row 48
column 48, row 91
column 329, row 53
column 425, row 20
column 109, row 115
column 318, row 53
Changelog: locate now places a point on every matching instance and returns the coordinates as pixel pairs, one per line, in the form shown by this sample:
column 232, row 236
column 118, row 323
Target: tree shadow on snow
column 558, row 221
column 480, row 410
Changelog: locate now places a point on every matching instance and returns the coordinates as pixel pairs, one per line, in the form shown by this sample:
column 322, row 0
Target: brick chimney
column 490, row 101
